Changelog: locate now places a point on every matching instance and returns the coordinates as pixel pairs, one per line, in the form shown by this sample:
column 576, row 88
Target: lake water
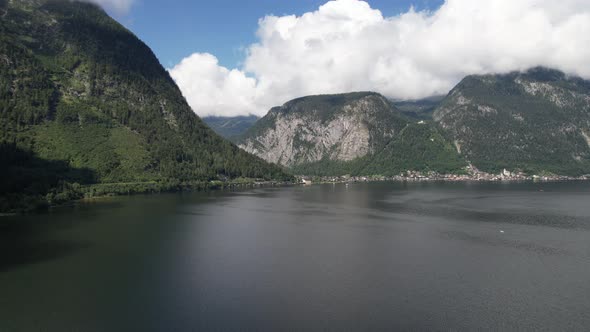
column 381, row 256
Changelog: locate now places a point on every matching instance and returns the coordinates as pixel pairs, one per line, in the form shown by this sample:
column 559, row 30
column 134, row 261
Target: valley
column 87, row 102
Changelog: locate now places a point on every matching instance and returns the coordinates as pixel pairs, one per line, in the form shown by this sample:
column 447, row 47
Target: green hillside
column 537, row 121
column 359, row 133
column 79, row 90
column 418, row 147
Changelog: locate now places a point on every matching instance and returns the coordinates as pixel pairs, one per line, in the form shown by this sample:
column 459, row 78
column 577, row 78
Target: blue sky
column 349, row 46
column 175, row 29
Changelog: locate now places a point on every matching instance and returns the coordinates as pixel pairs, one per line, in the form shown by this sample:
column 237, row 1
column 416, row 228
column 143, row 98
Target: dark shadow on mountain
column 26, row 179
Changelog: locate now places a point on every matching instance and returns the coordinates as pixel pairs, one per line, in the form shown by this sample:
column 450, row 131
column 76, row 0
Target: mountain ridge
column 347, row 133
column 536, row 121
column 77, row 86
column 345, row 127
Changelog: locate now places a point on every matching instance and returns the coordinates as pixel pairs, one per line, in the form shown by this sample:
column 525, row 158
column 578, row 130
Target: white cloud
column 347, row 46
column 118, row 6
column 215, row 90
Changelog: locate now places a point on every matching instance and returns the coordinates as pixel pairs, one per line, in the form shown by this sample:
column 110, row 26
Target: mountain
column 230, row 127
column 86, row 100
column 336, row 127
column 537, row 121
column 420, row 147
column 359, row 133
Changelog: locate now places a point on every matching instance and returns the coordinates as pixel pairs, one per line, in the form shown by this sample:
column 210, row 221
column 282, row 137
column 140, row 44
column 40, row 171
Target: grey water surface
column 363, row 257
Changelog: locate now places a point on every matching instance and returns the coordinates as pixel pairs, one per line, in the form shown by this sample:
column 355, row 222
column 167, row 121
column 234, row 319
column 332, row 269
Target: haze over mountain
column 230, row 127
column 420, row 109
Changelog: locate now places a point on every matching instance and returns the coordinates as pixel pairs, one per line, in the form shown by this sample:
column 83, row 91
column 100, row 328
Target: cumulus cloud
column 211, row 89
column 118, row 6
column 348, row 46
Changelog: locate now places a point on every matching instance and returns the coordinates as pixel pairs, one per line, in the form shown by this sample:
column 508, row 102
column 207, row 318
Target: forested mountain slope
column 360, row 133
column 537, row 121
column 77, row 87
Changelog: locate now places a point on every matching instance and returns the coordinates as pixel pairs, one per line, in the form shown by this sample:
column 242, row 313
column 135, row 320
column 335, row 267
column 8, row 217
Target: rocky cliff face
column 536, row 121
column 334, row 127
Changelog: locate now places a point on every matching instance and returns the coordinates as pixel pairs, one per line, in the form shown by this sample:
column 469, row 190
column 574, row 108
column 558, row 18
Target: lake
column 369, row 256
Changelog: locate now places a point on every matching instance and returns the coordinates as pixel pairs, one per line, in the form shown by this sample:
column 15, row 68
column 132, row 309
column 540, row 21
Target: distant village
column 472, row 174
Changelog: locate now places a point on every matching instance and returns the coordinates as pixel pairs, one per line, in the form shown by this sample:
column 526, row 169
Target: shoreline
column 439, row 178
column 103, row 191
column 202, row 187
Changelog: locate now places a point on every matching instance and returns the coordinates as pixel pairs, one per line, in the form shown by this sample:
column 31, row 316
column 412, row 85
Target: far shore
column 98, row 192
column 103, row 191
column 435, row 177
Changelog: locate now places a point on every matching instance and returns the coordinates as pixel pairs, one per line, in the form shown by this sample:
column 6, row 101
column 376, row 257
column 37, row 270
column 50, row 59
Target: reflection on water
column 382, row 256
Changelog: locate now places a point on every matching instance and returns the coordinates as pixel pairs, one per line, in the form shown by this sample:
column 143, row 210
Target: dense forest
column 86, row 100
column 418, row 147
column 537, row 121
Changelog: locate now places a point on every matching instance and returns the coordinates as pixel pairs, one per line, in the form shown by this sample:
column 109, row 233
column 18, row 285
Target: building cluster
column 471, row 174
